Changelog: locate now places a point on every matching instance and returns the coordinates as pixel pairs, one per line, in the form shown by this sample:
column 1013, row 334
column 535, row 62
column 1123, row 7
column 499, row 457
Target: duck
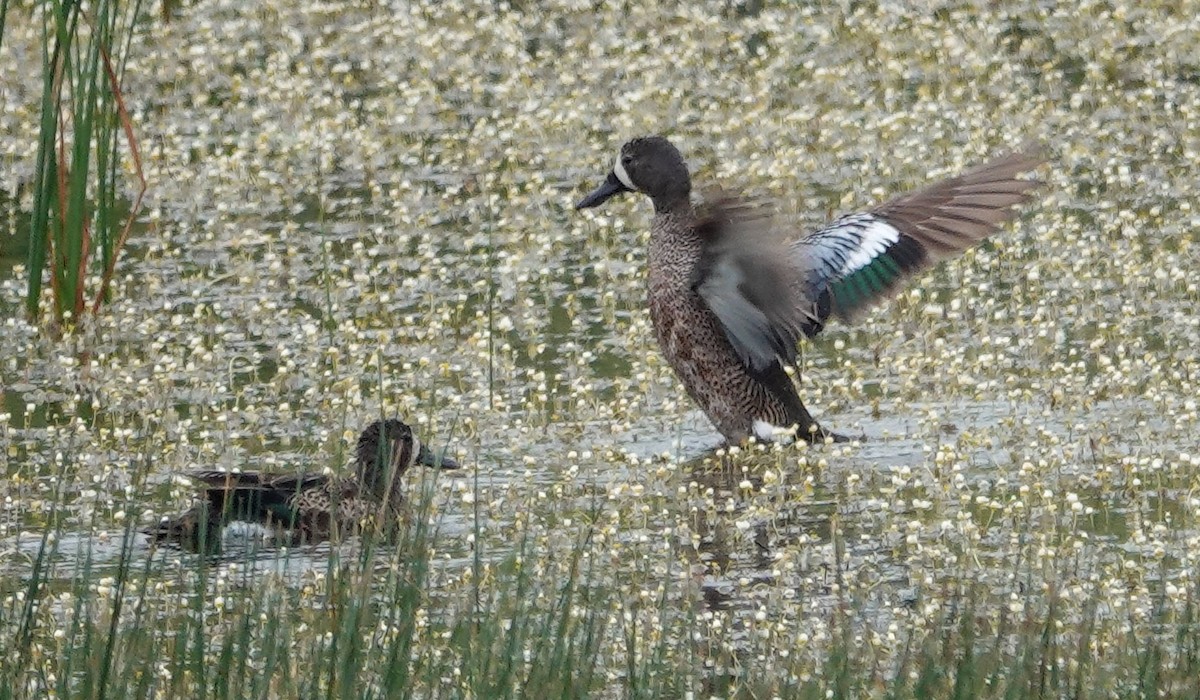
column 731, row 292
column 308, row 507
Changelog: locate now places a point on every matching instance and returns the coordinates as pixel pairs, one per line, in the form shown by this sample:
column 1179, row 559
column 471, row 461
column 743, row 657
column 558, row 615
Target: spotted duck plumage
column 730, row 293
column 308, row 507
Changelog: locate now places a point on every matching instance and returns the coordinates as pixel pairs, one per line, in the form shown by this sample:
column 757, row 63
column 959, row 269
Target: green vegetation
column 361, row 209
column 379, row 621
column 81, row 216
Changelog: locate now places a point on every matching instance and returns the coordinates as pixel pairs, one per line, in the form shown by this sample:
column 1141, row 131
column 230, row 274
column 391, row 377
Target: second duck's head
column 388, row 448
column 650, row 165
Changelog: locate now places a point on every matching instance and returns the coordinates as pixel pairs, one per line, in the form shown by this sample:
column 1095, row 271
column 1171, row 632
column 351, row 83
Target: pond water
column 360, row 210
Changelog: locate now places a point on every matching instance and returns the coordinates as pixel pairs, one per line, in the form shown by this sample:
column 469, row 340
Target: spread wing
column 862, row 259
column 767, row 292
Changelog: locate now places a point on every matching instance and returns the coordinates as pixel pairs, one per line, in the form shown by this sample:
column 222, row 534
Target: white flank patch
column 876, row 236
column 619, row 171
column 413, row 452
column 767, row 432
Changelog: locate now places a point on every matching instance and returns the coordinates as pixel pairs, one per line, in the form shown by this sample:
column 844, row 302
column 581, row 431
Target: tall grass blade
column 76, row 195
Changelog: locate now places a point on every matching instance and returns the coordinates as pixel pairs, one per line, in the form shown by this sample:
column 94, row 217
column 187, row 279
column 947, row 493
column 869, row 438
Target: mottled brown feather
column 729, row 296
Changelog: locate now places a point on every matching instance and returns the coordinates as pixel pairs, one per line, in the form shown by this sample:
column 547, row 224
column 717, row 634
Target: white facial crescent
column 619, row 171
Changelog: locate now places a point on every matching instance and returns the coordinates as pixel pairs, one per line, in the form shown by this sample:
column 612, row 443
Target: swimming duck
column 310, row 507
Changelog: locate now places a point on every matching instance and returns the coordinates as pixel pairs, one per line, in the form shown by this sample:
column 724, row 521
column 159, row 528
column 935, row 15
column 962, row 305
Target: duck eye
column 626, row 159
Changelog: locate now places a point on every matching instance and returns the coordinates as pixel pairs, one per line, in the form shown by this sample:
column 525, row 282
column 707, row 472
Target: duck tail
column 197, row 528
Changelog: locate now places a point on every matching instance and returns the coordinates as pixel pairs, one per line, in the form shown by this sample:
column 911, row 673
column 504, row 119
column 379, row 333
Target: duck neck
column 679, row 203
column 675, row 248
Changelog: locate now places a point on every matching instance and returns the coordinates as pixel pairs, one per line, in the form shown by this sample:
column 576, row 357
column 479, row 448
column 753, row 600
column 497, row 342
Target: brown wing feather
column 745, row 277
column 767, row 292
column 952, row 215
column 251, row 480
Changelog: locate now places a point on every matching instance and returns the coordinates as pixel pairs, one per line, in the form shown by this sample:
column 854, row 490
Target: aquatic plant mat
column 356, row 210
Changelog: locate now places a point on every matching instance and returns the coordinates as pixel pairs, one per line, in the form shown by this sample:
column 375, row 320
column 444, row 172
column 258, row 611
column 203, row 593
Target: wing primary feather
column 766, row 292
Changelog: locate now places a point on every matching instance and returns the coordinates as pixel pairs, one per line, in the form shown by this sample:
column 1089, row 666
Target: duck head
column 388, row 448
column 650, row 165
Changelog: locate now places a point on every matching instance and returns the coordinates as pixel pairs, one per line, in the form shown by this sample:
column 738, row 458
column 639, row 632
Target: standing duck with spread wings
column 730, row 296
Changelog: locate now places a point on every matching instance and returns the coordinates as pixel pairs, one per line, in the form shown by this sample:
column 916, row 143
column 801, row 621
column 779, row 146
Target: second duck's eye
column 626, row 159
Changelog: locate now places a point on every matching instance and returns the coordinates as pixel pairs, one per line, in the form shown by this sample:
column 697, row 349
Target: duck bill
column 429, row 459
column 612, row 186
